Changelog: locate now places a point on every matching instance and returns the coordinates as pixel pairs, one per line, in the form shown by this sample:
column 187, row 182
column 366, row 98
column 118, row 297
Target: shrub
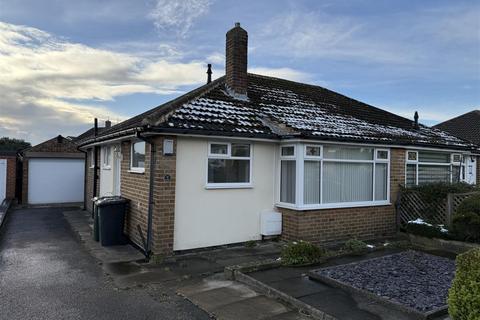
column 355, row 246
column 301, row 253
column 424, row 229
column 466, row 221
column 464, row 295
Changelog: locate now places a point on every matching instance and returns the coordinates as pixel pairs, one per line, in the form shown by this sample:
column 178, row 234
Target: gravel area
column 414, row 279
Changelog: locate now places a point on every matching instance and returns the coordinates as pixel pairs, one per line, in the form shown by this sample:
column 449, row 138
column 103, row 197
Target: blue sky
column 64, row 62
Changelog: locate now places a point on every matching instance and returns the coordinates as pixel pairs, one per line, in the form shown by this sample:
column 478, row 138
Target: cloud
column 49, row 84
column 397, row 39
column 178, row 15
column 284, row 73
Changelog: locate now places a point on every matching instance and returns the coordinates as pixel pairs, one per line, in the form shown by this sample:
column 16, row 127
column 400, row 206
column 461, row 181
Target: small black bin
column 111, row 219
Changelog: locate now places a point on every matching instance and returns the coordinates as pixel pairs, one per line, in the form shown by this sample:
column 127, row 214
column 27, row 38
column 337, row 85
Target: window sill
column 228, row 186
column 137, row 170
column 333, row 205
column 106, row 168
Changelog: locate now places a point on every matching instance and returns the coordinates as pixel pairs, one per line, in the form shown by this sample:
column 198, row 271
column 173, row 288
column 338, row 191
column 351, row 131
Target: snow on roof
column 278, row 108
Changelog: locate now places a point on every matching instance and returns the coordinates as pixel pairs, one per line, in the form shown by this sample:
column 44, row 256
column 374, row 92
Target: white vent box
column 270, row 223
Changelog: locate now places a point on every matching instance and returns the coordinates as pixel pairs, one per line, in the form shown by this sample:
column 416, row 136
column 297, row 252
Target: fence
column 410, row 206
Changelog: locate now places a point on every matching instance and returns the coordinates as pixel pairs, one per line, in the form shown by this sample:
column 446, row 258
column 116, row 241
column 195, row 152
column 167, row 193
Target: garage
column 55, row 180
column 53, row 173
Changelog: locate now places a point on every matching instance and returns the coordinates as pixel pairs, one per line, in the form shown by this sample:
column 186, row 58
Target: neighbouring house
column 201, row 170
column 53, row 172
column 8, row 169
column 466, row 126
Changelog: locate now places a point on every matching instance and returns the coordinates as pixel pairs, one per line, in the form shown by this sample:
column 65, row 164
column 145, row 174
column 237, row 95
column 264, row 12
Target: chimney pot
column 209, row 73
column 236, row 62
column 95, row 127
column 415, row 118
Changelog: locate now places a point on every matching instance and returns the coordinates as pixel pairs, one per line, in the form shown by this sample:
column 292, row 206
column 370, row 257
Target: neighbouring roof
column 90, row 133
column 58, row 144
column 466, row 126
column 277, row 109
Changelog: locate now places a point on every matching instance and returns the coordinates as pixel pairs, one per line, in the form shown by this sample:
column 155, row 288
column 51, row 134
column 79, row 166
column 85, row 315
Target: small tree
column 466, row 221
column 464, row 295
column 12, row 144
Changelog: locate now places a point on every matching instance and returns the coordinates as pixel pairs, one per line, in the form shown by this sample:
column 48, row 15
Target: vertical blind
column 432, row 167
column 347, row 182
column 287, row 181
column 335, row 174
column 312, row 182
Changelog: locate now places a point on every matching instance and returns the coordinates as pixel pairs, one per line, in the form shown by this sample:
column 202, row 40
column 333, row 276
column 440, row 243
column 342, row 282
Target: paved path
column 45, row 273
column 228, row 300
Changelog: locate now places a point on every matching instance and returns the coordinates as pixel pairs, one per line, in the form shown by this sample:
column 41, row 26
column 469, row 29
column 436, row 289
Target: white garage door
column 55, row 180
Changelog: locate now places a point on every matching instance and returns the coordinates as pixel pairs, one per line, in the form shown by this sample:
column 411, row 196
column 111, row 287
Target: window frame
column 228, row 156
column 107, row 165
column 418, row 163
column 301, row 157
column 132, row 168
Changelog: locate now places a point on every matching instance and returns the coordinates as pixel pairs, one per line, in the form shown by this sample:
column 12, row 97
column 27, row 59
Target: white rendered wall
column 213, row 217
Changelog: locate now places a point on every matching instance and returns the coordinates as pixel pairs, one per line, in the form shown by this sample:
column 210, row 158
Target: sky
column 63, row 63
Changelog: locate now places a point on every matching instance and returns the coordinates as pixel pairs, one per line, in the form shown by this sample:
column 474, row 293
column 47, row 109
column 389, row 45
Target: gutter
column 153, row 149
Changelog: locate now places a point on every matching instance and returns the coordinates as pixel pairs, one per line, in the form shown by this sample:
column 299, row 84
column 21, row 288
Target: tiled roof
column 466, row 126
column 57, row 145
column 87, row 135
column 278, row 108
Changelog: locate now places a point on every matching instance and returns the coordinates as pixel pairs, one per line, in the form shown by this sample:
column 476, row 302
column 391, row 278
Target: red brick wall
column 25, row 181
column 334, row 225
column 11, row 175
column 135, row 187
column 164, row 209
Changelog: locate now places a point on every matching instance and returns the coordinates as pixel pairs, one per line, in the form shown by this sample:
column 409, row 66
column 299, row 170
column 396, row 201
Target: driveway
column 45, row 273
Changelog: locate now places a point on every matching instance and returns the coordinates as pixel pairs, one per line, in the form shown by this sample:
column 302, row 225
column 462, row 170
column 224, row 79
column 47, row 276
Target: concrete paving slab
column 143, row 278
column 215, row 298
column 256, row 308
column 338, row 304
column 292, row 315
column 277, row 274
column 299, row 286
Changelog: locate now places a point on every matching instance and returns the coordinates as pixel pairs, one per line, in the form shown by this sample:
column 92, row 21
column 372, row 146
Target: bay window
column 430, row 166
column 333, row 176
column 229, row 165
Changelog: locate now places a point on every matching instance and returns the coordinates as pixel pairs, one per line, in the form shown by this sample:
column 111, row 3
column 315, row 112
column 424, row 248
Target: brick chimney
column 236, row 62
column 108, row 124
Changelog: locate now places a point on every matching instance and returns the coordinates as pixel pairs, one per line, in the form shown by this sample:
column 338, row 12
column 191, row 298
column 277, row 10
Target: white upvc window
column 107, row 157
column 137, row 157
column 424, row 166
column 229, row 165
column 330, row 176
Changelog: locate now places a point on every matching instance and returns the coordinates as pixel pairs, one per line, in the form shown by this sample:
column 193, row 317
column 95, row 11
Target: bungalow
column 201, row 170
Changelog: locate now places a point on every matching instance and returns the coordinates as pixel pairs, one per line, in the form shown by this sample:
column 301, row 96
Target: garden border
column 452, row 246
